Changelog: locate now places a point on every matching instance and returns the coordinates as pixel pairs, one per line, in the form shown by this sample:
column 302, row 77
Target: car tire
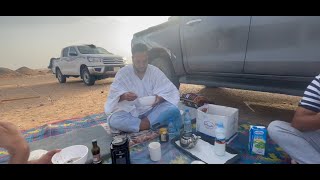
column 167, row 68
column 61, row 78
column 88, row 79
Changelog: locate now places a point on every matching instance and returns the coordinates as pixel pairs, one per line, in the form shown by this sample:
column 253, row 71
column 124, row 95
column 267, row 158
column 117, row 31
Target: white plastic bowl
column 76, row 154
column 147, row 100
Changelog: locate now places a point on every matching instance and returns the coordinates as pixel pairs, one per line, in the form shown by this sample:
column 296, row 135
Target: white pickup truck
column 89, row 62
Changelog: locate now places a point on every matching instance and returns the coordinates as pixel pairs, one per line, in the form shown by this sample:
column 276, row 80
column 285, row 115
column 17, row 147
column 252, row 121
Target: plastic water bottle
column 179, row 122
column 220, row 142
column 171, row 127
column 187, row 122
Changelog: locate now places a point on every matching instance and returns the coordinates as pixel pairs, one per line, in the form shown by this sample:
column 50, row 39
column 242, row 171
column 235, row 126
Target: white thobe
column 154, row 82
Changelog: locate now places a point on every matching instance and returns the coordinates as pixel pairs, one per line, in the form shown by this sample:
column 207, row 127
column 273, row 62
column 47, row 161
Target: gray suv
column 264, row 53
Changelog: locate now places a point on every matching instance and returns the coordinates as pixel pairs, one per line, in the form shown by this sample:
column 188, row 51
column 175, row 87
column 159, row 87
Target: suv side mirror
column 73, row 54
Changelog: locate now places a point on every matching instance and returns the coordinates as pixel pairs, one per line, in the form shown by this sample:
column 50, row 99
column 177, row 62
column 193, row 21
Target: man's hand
column 158, row 100
column 129, row 96
column 45, row 159
column 10, row 137
column 12, row 140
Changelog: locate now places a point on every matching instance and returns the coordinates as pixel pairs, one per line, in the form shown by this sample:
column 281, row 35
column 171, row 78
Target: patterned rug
column 139, row 153
column 139, row 141
column 64, row 126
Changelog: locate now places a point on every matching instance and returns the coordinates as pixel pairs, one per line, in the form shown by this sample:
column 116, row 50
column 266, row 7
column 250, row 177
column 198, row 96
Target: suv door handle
column 194, row 21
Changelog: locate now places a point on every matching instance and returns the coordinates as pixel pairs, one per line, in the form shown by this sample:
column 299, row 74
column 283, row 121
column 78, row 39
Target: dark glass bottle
column 96, row 152
column 163, row 135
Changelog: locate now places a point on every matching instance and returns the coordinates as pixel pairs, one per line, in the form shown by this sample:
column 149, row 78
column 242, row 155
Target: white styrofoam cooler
column 206, row 121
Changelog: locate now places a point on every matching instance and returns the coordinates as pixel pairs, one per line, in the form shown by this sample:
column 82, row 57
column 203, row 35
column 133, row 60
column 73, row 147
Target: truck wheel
column 166, row 67
column 61, row 78
column 88, row 79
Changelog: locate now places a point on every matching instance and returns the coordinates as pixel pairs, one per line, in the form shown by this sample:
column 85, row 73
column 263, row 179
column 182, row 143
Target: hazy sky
column 32, row 40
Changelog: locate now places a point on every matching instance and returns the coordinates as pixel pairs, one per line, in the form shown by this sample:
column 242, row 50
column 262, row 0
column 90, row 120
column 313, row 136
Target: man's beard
column 140, row 70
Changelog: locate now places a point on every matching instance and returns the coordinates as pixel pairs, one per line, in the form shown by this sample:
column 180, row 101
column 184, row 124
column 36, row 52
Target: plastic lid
column 162, row 130
column 118, row 141
column 94, row 140
column 219, row 124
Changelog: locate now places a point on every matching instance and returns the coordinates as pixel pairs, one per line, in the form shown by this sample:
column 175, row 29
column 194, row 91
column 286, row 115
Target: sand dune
column 21, row 72
column 7, row 73
column 27, row 71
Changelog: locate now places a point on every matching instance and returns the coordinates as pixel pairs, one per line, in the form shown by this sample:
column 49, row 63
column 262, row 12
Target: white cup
column 155, row 151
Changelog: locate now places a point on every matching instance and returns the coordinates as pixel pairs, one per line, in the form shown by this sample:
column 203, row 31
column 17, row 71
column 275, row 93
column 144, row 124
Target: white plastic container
column 155, row 151
column 206, row 121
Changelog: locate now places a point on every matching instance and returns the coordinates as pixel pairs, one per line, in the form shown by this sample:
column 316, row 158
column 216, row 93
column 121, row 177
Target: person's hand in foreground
column 12, row 140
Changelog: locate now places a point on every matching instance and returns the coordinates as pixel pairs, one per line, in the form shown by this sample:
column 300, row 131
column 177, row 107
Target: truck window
column 103, row 51
column 92, row 50
column 72, row 51
column 65, row 52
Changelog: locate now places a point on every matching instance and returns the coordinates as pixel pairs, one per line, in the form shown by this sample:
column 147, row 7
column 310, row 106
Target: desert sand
column 31, row 98
column 31, row 101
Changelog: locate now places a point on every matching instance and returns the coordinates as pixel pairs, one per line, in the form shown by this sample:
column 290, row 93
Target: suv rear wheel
column 61, row 78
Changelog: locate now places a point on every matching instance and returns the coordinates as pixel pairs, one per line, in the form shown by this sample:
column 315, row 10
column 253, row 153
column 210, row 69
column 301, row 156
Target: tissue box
column 206, row 121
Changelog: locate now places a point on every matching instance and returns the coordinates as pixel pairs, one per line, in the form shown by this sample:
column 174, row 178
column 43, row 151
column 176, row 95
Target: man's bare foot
column 145, row 124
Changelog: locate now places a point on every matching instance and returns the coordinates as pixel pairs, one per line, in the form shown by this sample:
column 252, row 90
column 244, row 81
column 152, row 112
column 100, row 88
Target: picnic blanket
column 139, row 142
column 48, row 134
column 139, row 153
column 83, row 136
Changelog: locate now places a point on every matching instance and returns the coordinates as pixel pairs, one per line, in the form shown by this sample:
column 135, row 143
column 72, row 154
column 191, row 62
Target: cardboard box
column 206, row 121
